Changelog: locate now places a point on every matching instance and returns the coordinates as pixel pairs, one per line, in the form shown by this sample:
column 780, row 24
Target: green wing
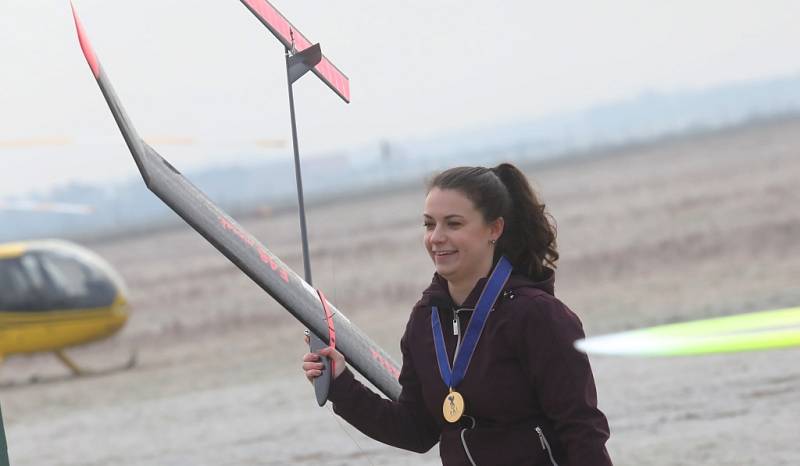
column 744, row 332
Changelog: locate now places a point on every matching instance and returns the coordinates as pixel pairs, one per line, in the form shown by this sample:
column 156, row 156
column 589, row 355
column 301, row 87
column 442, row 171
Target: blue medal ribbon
column 497, row 280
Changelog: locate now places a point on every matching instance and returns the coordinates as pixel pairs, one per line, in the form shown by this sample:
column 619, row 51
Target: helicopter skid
column 79, row 371
column 76, row 371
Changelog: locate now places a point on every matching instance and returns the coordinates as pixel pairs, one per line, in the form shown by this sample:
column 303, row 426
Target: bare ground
column 685, row 228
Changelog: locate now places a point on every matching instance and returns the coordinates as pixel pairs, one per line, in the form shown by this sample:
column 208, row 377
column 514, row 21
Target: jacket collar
column 437, row 294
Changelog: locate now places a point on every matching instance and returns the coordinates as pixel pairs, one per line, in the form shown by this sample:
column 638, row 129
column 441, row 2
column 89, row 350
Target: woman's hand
column 312, row 364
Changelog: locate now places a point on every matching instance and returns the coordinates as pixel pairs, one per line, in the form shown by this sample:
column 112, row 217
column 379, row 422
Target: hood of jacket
column 437, row 293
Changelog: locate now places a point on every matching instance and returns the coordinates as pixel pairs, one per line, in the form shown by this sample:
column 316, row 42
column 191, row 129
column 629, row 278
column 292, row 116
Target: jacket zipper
column 545, row 445
column 456, row 331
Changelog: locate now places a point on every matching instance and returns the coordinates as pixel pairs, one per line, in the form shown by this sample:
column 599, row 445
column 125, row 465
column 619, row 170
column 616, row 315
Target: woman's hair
column 529, row 235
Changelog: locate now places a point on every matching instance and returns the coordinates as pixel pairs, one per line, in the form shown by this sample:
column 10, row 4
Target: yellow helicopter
column 55, row 294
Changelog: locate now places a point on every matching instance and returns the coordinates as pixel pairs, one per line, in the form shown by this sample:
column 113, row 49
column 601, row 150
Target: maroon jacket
column 524, row 374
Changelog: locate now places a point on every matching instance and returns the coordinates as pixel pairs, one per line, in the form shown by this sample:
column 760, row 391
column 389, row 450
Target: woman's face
column 457, row 237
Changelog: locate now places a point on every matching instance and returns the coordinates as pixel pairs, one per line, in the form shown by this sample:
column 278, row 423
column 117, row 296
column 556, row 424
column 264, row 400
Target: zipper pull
column 455, row 324
column 541, row 437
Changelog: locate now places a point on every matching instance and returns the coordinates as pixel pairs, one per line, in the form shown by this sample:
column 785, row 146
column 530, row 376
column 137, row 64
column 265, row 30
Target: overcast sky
column 209, row 71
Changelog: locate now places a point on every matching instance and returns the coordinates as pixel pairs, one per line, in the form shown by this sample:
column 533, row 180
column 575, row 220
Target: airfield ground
column 684, row 228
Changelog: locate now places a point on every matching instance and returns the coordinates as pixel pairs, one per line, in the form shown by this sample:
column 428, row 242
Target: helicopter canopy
column 55, row 275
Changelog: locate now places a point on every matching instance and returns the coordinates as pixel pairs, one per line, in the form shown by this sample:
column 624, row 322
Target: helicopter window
column 16, row 290
column 33, row 271
column 67, row 275
column 75, row 284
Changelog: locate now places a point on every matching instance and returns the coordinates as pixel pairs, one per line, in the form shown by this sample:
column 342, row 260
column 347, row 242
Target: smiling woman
column 456, row 238
column 506, row 385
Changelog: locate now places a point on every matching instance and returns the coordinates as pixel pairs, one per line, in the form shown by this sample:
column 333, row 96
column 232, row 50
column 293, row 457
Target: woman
column 521, row 394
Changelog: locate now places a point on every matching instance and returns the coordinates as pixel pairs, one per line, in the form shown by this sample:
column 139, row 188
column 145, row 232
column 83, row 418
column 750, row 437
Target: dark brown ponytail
column 529, row 236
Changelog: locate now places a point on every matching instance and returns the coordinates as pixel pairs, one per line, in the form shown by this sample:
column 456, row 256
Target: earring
column 493, row 241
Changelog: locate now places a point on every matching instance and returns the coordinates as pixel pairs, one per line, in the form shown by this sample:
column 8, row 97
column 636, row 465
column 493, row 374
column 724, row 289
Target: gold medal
column 453, row 407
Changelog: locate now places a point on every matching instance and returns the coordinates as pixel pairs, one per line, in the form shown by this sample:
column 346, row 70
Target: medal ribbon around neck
column 497, row 280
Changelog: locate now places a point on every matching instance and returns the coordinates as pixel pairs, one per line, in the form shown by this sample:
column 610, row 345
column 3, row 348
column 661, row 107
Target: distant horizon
column 241, row 191
column 279, row 150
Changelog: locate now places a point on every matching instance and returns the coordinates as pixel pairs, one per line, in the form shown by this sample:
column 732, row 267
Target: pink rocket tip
column 91, row 58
